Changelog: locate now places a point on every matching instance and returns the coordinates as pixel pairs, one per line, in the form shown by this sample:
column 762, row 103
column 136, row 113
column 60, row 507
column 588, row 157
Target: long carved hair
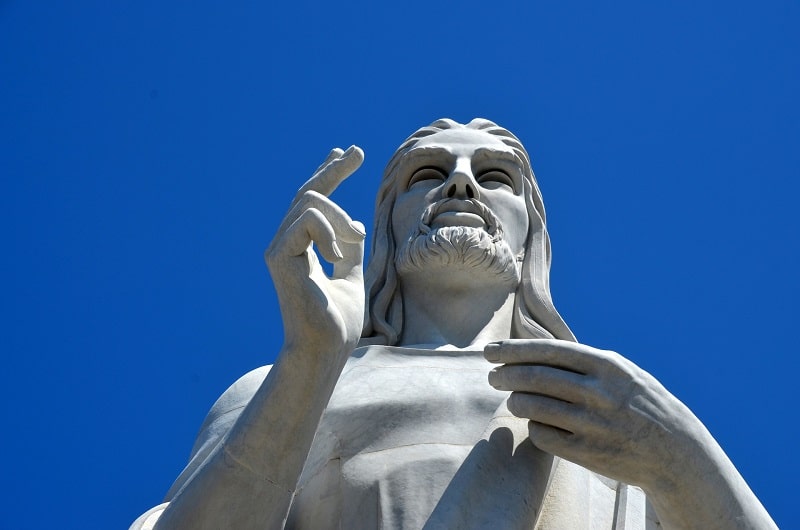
column 535, row 316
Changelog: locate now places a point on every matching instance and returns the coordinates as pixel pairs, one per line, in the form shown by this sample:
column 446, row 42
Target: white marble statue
column 458, row 397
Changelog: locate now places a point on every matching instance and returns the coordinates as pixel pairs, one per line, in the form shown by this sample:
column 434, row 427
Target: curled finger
column 563, row 354
column 346, row 229
column 310, row 226
column 550, row 439
column 546, row 410
column 549, row 381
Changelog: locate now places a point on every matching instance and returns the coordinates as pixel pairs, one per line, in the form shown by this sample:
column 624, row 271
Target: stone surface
column 443, row 390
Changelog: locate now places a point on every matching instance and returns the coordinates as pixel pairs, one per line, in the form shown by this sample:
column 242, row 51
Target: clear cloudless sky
column 148, row 151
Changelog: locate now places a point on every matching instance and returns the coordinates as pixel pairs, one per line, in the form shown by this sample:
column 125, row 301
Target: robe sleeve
column 220, row 419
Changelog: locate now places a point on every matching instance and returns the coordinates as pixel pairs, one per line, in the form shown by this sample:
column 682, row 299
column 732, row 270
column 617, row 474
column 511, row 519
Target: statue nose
column 461, row 185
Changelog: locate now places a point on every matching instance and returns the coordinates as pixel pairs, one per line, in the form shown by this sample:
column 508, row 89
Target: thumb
column 351, row 265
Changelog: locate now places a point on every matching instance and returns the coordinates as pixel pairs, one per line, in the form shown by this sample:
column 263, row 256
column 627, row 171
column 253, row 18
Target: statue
column 378, row 413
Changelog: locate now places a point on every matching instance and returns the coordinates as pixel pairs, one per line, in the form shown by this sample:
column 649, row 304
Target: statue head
column 512, row 252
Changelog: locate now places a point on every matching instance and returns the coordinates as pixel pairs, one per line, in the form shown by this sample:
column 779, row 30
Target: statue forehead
column 461, row 139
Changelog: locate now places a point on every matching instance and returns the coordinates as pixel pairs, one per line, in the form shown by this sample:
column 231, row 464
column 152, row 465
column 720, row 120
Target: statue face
column 450, row 179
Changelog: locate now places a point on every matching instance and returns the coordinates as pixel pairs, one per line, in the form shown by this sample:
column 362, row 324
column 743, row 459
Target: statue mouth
column 459, row 212
column 458, row 219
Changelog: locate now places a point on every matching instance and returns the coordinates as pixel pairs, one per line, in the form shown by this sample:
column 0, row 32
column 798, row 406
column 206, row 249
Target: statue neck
column 443, row 310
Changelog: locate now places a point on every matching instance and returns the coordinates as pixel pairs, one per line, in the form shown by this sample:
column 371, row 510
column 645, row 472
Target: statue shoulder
column 237, row 396
column 220, row 418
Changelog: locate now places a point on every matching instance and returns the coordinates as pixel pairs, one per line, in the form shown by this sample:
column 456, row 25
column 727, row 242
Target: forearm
column 249, row 479
column 706, row 491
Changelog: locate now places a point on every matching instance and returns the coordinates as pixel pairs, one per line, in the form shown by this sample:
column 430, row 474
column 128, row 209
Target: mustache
column 493, row 225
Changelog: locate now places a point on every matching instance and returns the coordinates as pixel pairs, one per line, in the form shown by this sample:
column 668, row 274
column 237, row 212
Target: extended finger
column 335, row 153
column 548, row 381
column 344, row 226
column 553, row 352
column 327, row 179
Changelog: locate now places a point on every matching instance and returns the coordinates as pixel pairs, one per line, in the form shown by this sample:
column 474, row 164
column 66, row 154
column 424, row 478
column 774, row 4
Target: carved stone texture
column 442, row 389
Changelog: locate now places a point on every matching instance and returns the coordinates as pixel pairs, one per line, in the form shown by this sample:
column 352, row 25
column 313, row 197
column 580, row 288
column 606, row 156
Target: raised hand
column 320, row 314
column 256, row 464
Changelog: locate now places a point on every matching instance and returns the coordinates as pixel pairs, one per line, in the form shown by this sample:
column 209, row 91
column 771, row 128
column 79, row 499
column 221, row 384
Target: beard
column 459, row 247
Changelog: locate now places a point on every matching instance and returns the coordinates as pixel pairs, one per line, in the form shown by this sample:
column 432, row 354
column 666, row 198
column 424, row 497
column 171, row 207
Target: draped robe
column 416, row 438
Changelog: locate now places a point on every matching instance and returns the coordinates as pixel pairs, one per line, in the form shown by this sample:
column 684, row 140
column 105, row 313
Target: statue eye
column 494, row 179
column 427, row 173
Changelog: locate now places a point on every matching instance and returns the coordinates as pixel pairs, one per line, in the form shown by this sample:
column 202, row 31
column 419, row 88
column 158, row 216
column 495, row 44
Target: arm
column 249, row 477
column 601, row 411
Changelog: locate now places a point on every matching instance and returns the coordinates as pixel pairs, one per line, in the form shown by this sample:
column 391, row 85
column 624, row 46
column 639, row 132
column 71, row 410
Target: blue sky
column 149, row 149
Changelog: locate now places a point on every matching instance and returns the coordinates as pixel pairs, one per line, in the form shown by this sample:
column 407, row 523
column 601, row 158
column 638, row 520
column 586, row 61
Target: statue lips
column 457, row 212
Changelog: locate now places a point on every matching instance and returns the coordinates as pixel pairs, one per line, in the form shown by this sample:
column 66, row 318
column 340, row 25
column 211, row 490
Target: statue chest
column 398, row 426
column 387, row 399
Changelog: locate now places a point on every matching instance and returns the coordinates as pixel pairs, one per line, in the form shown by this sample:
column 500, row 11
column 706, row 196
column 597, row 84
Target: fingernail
column 349, row 150
column 358, row 228
column 336, row 250
column 492, row 351
column 492, row 375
